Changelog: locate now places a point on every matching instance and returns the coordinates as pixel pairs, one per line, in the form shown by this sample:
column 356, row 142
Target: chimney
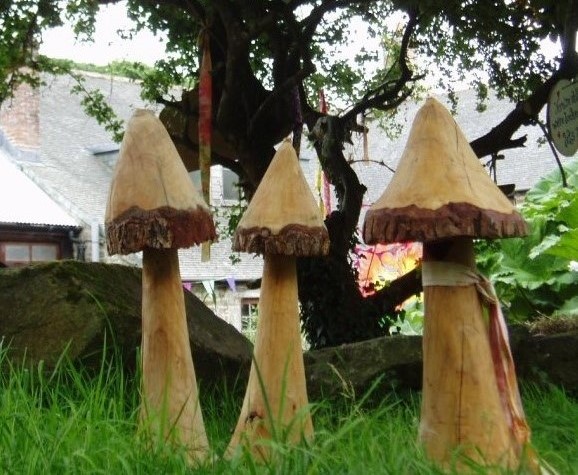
column 20, row 119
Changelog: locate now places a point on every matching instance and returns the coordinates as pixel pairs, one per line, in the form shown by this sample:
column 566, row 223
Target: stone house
column 49, row 142
column 32, row 226
column 59, row 162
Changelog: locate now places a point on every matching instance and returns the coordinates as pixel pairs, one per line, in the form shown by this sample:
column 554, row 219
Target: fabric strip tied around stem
column 436, row 273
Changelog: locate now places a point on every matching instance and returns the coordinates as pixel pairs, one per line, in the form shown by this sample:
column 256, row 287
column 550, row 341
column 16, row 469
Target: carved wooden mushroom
column 441, row 195
column 154, row 207
column 282, row 222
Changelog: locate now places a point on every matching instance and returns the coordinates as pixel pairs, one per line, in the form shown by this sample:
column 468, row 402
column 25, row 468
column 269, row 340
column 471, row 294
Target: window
column 43, row 252
column 20, row 254
column 231, row 189
column 228, row 187
column 249, row 316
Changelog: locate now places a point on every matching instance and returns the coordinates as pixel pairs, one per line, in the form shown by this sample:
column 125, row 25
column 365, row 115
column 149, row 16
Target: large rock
column 547, row 358
column 395, row 363
column 67, row 305
column 48, row 308
column 382, row 364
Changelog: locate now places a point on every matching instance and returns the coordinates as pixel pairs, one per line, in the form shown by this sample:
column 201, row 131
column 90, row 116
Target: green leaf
column 544, row 246
column 567, row 246
column 569, row 214
column 569, row 307
column 532, row 274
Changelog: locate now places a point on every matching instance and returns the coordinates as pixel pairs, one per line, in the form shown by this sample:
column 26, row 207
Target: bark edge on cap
column 160, row 228
column 292, row 240
column 412, row 223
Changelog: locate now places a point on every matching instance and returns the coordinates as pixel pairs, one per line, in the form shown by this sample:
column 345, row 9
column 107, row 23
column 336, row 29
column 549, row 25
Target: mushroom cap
column 440, row 189
column 152, row 201
column 282, row 217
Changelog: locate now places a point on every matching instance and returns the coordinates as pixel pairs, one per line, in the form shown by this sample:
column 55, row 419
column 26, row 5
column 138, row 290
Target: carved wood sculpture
column 154, row 207
column 442, row 196
column 281, row 222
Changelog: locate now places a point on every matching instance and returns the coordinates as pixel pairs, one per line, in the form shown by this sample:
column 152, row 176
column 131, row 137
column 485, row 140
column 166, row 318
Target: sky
column 144, row 47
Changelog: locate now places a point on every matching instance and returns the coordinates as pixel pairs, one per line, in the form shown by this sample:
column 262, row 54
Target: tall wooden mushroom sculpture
column 441, row 195
column 154, row 207
column 282, row 222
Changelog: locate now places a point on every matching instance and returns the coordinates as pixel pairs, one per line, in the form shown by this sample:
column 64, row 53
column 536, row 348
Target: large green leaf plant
column 537, row 275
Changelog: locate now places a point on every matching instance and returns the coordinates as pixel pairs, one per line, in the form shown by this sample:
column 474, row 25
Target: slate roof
column 23, row 202
column 220, row 266
column 521, row 166
column 69, row 171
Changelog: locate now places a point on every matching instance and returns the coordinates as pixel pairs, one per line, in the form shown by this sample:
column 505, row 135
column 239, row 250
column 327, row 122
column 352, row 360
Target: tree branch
column 389, row 94
column 399, row 290
column 193, row 7
column 279, row 91
column 328, row 136
column 525, row 113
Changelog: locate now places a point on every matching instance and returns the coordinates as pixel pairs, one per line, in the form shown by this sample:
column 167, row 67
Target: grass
column 67, row 421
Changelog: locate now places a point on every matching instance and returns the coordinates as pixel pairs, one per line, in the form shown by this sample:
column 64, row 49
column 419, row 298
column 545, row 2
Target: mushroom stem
column 275, row 403
column 170, row 402
column 461, row 405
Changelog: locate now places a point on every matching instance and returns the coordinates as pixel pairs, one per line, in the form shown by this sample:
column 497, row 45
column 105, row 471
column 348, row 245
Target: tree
column 21, row 23
column 270, row 58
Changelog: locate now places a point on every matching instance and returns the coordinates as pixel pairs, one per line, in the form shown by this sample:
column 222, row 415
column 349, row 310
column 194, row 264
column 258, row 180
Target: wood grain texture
column 170, row 401
column 283, row 216
column 412, row 223
column 292, row 240
column 160, row 228
column 461, row 407
column 275, row 403
column 440, row 189
column 152, row 201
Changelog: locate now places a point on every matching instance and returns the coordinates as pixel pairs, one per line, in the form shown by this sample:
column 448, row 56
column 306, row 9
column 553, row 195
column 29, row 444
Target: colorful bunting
column 232, row 284
column 365, row 141
column 209, row 286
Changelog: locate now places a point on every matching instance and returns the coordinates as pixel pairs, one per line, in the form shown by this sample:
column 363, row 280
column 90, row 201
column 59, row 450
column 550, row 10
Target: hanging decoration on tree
column 326, row 195
column 318, row 187
column 298, row 125
column 365, row 142
column 205, row 127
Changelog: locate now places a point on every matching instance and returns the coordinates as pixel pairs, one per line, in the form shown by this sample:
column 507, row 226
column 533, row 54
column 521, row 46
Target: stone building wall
column 227, row 303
